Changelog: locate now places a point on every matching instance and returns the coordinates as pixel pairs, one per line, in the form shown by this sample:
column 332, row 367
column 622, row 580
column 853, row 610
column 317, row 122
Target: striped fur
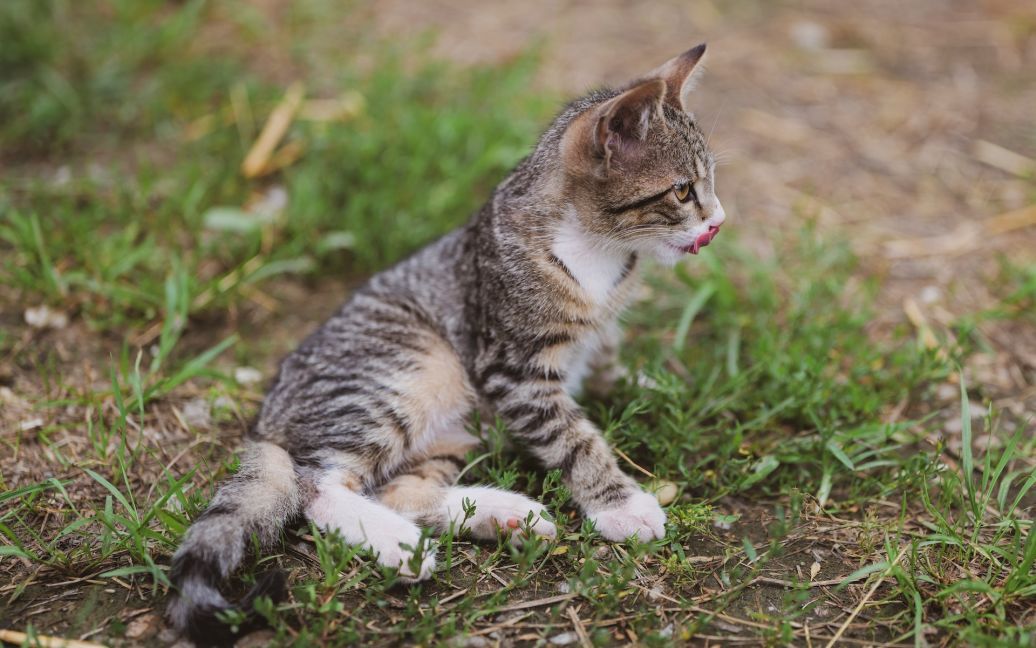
column 367, row 425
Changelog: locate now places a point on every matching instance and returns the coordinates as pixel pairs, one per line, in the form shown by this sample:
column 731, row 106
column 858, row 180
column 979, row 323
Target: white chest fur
column 596, row 267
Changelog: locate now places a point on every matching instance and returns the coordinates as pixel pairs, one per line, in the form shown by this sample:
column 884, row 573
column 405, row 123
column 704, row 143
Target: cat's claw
column 639, row 516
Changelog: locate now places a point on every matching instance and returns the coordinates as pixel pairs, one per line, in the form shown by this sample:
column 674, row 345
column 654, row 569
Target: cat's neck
column 598, row 268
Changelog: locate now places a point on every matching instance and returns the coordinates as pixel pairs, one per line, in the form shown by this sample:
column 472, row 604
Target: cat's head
column 639, row 174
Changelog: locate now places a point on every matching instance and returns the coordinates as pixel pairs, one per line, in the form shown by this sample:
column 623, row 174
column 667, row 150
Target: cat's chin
column 669, row 254
column 666, row 255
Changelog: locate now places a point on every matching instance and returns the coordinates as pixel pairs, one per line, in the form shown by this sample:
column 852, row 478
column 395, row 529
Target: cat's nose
column 716, row 214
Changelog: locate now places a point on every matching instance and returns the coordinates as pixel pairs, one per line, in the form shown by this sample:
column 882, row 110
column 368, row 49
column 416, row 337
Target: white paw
column 640, row 516
column 497, row 511
column 388, row 540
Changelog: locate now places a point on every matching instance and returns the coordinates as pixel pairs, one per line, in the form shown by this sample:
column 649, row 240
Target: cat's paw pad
column 639, row 516
column 395, row 548
column 499, row 511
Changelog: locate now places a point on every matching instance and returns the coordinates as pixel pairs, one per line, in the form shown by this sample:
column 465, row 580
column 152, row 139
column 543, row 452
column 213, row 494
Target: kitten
column 366, row 427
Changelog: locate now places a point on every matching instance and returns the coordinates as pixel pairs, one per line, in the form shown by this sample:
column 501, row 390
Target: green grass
column 788, row 426
column 411, row 165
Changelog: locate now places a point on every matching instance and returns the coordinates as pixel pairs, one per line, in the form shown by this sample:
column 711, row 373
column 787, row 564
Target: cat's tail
column 257, row 501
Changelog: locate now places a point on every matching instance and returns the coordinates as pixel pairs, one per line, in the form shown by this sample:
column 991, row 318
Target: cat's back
column 424, row 292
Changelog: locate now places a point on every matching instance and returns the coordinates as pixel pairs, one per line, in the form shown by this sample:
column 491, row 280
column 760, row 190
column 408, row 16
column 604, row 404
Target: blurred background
column 907, row 126
column 187, row 187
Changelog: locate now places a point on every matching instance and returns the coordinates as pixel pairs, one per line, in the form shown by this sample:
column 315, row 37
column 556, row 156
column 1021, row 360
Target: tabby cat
column 367, row 425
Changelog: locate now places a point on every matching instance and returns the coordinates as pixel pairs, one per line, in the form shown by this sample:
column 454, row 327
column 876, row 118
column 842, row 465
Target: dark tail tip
column 206, row 629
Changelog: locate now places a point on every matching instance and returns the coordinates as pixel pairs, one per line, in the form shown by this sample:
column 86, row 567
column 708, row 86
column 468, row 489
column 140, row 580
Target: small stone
column 646, row 381
column 564, row 639
column 31, row 424
column 43, row 317
column 246, row 376
column 564, row 588
column 62, row 176
column 144, row 626
column 665, row 491
column 168, row 635
column 273, row 202
column 947, row 392
column 930, row 294
column 810, row 35
column 666, row 632
column 197, row 413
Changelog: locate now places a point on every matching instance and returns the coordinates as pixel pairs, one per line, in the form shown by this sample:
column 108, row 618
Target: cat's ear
column 681, row 75
column 622, row 122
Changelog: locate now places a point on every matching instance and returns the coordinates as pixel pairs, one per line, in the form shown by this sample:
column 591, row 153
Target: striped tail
column 259, row 500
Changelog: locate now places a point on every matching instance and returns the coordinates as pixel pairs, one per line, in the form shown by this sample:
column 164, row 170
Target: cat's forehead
column 683, row 129
column 677, row 147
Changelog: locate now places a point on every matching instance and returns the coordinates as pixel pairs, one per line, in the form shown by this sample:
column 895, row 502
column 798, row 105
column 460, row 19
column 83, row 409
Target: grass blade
column 114, row 491
column 967, row 460
column 690, row 311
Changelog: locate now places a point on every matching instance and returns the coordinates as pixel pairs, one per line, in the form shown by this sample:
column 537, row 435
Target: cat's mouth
column 701, row 241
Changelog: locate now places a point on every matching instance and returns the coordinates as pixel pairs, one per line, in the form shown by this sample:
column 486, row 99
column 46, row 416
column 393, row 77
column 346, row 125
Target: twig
column 499, row 579
column 785, row 583
column 255, row 163
column 634, row 464
column 44, row 641
column 454, row 596
column 867, row 597
column 1004, row 159
column 584, row 639
column 510, row 623
column 917, row 318
column 1012, row 220
column 735, row 620
column 550, row 600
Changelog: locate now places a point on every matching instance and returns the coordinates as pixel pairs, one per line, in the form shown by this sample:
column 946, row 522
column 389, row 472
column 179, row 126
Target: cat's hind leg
column 426, row 494
column 395, row 540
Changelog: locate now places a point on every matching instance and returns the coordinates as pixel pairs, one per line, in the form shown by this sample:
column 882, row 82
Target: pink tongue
column 703, row 240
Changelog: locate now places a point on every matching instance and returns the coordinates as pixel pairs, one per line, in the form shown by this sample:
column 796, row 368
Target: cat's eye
column 683, row 191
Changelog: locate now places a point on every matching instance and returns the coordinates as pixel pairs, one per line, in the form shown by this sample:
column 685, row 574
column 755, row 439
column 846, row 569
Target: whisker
column 708, row 138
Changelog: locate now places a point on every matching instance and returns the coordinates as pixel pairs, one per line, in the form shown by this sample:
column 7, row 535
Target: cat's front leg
column 543, row 417
column 604, row 369
column 611, row 499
